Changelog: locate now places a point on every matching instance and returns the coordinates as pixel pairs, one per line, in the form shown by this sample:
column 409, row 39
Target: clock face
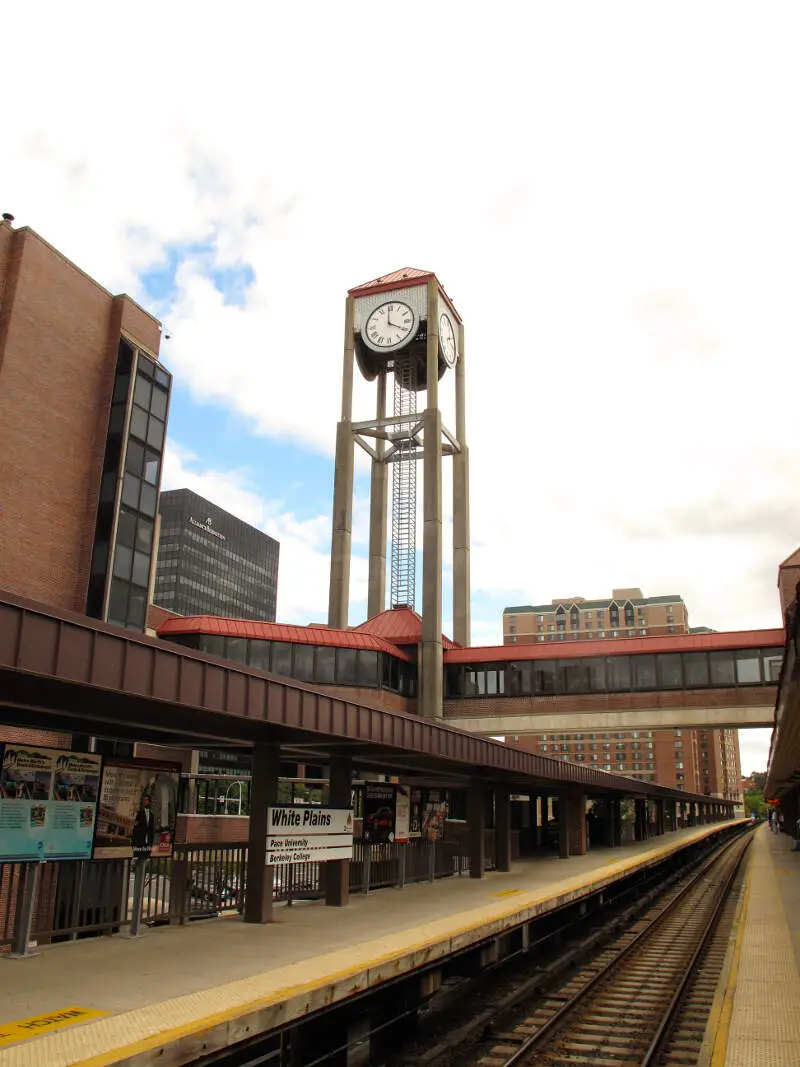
column 389, row 326
column 447, row 339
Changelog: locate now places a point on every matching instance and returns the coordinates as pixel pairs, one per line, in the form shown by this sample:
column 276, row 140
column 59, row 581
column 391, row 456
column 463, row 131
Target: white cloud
column 607, row 191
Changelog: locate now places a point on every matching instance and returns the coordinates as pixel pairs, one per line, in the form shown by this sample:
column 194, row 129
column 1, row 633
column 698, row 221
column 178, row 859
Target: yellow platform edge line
column 208, row 1022
column 720, row 1050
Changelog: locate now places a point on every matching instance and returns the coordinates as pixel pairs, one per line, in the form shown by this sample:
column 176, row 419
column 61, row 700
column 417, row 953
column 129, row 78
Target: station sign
column 297, row 833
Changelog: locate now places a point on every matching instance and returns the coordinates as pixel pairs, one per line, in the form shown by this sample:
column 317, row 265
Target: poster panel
column 138, row 809
column 402, row 813
column 379, row 812
column 434, row 815
column 48, row 802
column 415, row 815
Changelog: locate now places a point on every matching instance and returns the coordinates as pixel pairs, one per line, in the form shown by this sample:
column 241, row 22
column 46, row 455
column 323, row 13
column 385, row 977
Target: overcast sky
column 608, row 191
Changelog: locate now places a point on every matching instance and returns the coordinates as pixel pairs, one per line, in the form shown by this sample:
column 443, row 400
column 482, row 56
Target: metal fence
column 85, row 898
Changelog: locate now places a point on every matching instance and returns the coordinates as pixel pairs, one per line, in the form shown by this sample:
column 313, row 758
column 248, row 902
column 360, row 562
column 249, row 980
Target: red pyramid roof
column 400, row 626
column 401, row 279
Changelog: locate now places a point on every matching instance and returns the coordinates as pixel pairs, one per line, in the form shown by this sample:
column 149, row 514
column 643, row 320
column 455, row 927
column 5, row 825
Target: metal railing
column 76, row 899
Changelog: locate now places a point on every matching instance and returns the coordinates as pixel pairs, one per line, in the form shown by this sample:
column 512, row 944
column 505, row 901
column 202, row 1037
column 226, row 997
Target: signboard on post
column 48, row 803
column 138, row 809
column 300, row 834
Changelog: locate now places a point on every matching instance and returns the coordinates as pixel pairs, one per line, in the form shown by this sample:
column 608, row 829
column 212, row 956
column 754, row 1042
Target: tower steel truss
column 404, row 486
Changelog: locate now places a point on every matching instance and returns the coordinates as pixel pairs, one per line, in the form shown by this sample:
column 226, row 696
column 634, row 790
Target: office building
column 695, row 760
column 626, row 614
column 83, row 415
column 211, row 563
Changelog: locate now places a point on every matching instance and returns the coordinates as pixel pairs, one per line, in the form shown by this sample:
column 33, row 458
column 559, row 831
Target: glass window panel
column 123, row 561
column 141, row 395
column 158, row 404
column 722, row 668
column 281, row 658
column 100, row 557
column 367, row 668
column 748, row 667
column 212, row 644
column 148, row 500
column 134, row 455
column 118, row 601
column 108, row 487
column 116, row 422
column 326, row 660
column 453, row 678
column 130, row 492
column 644, row 672
column 145, row 367
column 346, row 666
column 544, row 676
column 596, row 667
column 139, row 423
column 155, row 433
column 121, row 383
column 618, row 670
column 236, row 649
column 670, row 675
column 258, row 655
column 695, row 670
column 772, row 664
column 162, row 377
column 525, row 679
column 151, row 463
column 303, row 668
column 126, row 528
column 137, row 606
column 141, row 569
column 144, row 535
column 574, row 676
column 491, row 683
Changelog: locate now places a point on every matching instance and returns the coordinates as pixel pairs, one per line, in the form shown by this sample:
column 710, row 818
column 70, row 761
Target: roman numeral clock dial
column 389, row 326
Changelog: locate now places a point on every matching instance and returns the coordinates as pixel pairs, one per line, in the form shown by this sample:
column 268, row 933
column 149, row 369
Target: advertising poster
column 138, row 809
column 433, row 815
column 302, row 834
column 402, row 813
column 415, row 815
column 379, row 812
column 48, row 803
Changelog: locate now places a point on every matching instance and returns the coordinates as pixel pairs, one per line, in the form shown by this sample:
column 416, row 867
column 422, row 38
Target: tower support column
column 339, row 591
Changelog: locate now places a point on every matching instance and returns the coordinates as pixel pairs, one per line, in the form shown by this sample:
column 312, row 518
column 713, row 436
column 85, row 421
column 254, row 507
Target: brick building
column 626, row 614
column 83, row 412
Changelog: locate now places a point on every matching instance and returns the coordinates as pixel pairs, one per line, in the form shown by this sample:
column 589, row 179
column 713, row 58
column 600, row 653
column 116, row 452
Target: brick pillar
column 476, row 817
column 502, row 828
column 337, row 872
column 263, row 794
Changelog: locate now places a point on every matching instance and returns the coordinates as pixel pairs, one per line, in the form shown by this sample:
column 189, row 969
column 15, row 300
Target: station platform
column 758, row 1005
column 175, row 993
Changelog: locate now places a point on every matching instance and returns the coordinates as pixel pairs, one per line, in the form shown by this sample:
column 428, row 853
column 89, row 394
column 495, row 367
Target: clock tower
column 405, row 326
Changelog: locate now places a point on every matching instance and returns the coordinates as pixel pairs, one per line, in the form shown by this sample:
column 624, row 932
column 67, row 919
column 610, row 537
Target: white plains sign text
column 299, row 834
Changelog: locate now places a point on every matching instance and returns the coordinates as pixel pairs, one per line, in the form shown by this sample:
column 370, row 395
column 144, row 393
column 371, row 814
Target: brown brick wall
column 212, row 829
column 58, row 341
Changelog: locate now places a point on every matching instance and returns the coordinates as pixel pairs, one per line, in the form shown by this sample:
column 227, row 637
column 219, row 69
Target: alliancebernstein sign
column 300, row 834
column 206, row 528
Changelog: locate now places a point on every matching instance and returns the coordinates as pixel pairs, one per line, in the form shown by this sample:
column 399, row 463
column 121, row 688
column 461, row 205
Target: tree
column 754, row 804
column 759, row 781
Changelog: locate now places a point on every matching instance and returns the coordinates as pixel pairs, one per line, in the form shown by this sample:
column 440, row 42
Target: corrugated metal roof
column 275, row 631
column 401, row 626
column 626, row 646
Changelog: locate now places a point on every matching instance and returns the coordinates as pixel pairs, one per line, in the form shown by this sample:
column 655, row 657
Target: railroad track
column 644, row 1000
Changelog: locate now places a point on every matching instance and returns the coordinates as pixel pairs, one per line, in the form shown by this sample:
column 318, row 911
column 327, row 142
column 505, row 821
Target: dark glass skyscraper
column 211, row 563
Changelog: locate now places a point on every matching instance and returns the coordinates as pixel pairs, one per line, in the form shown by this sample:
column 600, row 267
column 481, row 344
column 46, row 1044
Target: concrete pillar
column 263, row 794
column 578, row 845
column 430, row 705
column 502, row 828
column 378, row 509
column 563, row 827
column 476, row 818
column 339, row 590
column 640, row 822
column 461, row 533
column 337, row 872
